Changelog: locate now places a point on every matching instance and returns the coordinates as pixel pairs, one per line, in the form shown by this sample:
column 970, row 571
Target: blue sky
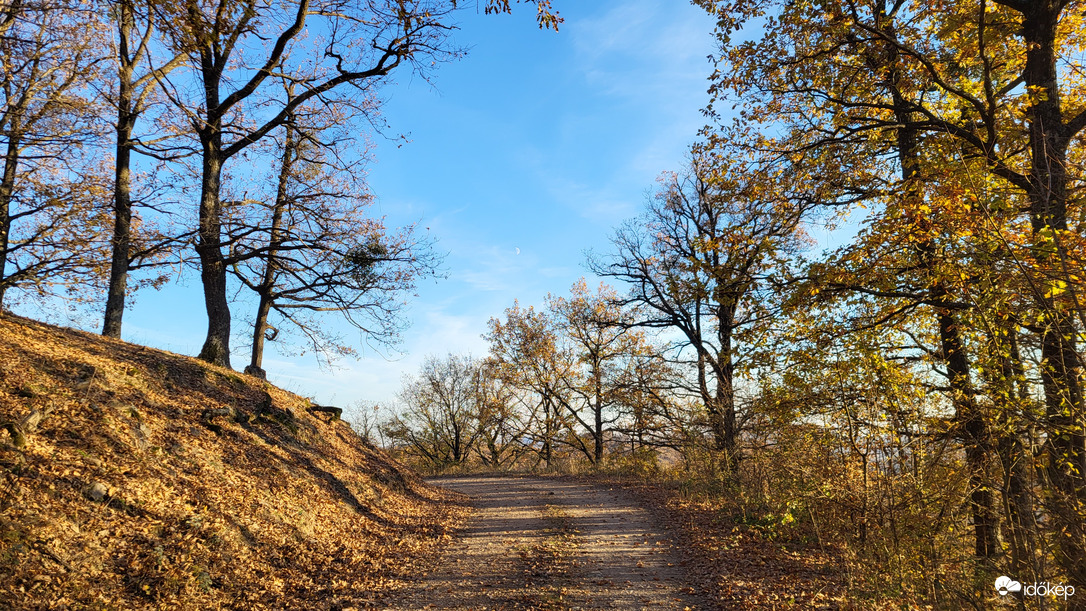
column 537, row 141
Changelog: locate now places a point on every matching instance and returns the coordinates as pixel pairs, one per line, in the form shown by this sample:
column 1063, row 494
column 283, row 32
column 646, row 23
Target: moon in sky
column 518, row 251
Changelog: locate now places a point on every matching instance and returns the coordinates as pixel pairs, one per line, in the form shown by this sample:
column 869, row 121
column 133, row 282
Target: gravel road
column 541, row 543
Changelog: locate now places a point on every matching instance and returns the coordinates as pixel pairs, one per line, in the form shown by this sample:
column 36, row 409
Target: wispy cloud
column 495, row 268
column 375, row 379
column 645, row 48
column 545, row 151
column 605, row 204
column 643, row 72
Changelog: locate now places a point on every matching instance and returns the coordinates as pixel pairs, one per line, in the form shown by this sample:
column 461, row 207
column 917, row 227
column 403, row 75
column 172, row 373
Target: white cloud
column 558, row 272
column 646, row 47
column 494, row 268
column 606, row 205
column 435, row 332
column 458, row 333
column 643, row 73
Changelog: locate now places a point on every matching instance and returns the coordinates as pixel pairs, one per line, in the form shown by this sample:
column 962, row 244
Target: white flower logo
column 1005, row 585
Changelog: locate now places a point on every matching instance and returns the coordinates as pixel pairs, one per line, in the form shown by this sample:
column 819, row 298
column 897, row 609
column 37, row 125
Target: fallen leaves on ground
column 128, row 495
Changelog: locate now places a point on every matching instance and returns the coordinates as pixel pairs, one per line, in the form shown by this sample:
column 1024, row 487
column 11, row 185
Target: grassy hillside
column 136, row 478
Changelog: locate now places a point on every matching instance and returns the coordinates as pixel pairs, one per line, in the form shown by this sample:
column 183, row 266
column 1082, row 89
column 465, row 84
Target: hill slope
column 137, row 478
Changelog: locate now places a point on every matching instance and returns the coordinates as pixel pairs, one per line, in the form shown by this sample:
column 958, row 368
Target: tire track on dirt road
column 541, row 543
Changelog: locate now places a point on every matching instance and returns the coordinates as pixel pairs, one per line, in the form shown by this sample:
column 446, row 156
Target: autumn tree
column 50, row 190
column 697, row 263
column 528, row 358
column 980, row 87
column 601, row 338
column 502, row 426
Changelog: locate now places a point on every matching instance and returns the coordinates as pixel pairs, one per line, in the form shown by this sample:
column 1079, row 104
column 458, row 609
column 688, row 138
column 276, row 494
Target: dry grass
column 127, row 496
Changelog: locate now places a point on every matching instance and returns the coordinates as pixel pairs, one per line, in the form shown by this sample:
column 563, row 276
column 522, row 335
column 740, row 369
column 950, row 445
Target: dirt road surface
column 540, row 543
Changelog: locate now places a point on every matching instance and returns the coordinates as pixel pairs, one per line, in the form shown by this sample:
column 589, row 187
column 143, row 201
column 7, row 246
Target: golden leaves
column 258, row 517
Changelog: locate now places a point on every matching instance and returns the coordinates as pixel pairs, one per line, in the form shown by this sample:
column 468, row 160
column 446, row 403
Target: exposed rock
column 268, row 409
column 86, row 378
column 31, row 421
column 141, row 433
column 256, row 372
column 208, row 416
column 26, row 425
column 337, row 412
column 96, row 492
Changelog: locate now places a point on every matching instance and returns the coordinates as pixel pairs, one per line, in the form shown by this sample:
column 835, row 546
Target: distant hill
column 136, row 478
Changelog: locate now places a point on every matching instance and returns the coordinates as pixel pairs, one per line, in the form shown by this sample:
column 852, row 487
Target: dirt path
column 537, row 543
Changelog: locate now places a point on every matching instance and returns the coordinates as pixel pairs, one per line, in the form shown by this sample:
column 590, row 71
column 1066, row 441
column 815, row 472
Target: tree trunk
column 216, row 349
column 1012, row 396
column 7, row 190
column 724, row 401
column 495, row 455
column 548, row 430
column 1060, row 367
column 260, row 328
column 975, row 433
column 122, row 187
column 976, row 437
column 1018, row 506
column 598, row 409
column 718, row 409
column 275, row 241
column 725, row 420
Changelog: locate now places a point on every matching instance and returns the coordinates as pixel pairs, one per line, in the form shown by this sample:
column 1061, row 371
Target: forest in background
column 912, row 398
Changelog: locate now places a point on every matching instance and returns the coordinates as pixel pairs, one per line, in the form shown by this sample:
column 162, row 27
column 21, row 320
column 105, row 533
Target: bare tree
column 308, row 247
column 238, row 102
column 696, row 263
column 134, row 30
column 440, row 421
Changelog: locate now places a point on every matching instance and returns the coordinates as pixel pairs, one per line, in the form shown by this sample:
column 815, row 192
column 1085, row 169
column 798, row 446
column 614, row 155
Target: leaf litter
column 152, row 480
